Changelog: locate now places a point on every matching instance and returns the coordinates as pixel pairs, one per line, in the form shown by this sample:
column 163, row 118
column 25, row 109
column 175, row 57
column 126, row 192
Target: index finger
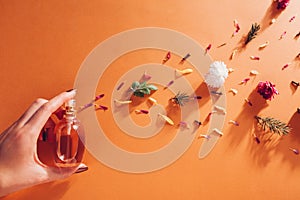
column 40, row 117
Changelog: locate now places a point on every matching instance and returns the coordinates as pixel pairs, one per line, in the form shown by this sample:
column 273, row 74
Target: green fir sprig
column 142, row 89
column 252, row 33
column 181, row 99
column 273, row 125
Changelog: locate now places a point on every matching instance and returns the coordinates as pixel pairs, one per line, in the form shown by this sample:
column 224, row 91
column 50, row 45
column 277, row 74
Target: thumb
column 56, row 173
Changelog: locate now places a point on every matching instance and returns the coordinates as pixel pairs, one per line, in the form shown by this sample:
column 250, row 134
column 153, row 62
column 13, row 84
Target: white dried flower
column 216, row 75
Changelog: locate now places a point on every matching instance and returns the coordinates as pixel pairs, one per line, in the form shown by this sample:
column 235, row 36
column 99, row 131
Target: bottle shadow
column 271, row 13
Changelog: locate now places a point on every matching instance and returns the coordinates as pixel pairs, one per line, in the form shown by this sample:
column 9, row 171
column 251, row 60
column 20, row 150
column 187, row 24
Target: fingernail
column 82, row 169
column 70, row 90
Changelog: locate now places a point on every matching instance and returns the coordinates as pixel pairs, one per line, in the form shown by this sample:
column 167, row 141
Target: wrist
column 8, row 183
column 4, row 182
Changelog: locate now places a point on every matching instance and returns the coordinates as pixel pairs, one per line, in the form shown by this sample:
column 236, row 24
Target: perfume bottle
column 69, row 148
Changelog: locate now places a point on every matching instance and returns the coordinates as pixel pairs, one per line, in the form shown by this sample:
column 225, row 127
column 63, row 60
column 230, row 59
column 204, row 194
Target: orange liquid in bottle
column 64, row 138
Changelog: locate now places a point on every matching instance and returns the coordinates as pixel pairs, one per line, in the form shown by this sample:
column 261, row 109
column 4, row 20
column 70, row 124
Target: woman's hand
column 19, row 164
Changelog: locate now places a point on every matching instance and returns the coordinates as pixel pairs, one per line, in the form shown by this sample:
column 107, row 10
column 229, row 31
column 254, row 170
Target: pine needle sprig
column 273, row 125
column 252, row 33
column 181, row 99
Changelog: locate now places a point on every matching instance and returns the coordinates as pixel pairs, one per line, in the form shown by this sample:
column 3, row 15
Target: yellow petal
column 264, row 45
column 154, row 101
column 220, row 109
column 233, row 54
column 218, row 131
column 254, row 72
column 184, row 71
column 234, row 91
column 230, row 70
column 167, row 119
column 123, row 102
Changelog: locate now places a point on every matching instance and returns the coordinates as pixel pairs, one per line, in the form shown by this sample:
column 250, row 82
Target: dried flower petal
column 218, row 131
column 169, row 84
column 220, row 109
column 120, row 86
column 267, row 90
column 197, row 123
column 221, row 45
column 123, row 102
column 237, row 27
column 282, row 35
column 254, row 57
column 185, row 57
column 244, row 81
column 234, row 91
column 233, row 54
column 292, row 18
column 184, row 124
column 167, row 57
column 209, row 116
column 208, row 48
column 141, row 111
column 249, row 102
column 204, row 136
column 100, row 96
column 254, row 72
column 184, row 71
column 100, row 107
column 146, row 76
column 296, row 84
column 297, row 35
column 285, row 66
column 151, row 99
column 230, row 70
column 166, row 118
column 257, row 140
column 234, row 122
column 273, row 21
column 264, row 45
column 216, row 93
column 295, row 151
column 197, row 97
column 86, row 106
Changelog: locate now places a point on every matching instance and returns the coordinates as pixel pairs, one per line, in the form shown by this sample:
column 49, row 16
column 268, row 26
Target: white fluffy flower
column 216, row 75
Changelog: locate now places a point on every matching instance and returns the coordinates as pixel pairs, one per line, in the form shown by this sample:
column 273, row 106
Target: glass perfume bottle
column 69, row 148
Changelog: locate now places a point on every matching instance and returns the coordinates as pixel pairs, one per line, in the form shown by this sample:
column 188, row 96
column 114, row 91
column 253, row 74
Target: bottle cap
column 70, row 106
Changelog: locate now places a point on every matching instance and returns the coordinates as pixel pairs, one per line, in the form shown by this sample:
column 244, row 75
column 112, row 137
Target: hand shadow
column 53, row 190
column 292, row 140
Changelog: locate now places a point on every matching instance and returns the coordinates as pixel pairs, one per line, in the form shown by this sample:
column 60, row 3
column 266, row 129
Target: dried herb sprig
column 252, row 33
column 273, row 125
column 140, row 89
column 180, row 99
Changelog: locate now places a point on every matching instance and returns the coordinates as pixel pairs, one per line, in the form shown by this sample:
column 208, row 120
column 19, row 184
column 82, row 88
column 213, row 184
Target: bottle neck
column 69, row 117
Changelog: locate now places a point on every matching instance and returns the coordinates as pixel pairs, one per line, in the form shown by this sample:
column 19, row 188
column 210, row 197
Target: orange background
column 43, row 44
